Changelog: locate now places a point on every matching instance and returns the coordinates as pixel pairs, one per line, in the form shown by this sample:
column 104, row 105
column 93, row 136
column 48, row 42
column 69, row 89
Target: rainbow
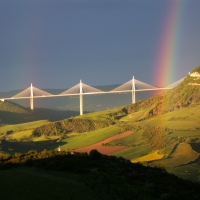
column 166, row 61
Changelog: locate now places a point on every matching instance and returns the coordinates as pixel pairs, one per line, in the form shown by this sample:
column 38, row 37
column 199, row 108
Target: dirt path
column 108, row 150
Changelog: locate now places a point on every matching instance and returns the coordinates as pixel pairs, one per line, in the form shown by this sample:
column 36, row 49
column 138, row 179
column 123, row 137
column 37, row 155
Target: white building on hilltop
column 195, row 74
column 59, row 149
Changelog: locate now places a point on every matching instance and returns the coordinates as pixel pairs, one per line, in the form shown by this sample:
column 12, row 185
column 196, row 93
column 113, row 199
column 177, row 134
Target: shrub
column 95, row 154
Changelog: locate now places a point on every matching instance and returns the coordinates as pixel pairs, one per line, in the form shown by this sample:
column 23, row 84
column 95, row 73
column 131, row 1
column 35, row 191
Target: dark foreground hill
column 102, row 177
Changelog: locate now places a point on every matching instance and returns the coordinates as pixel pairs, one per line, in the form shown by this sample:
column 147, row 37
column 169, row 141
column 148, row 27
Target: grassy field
column 44, row 138
column 136, row 116
column 22, row 132
column 23, row 126
column 195, row 147
column 87, row 138
column 100, row 115
column 26, row 136
column 183, row 154
column 30, row 183
column 21, row 135
column 134, row 139
column 183, row 119
column 177, row 125
column 188, row 171
column 150, row 157
column 134, row 152
column 184, row 133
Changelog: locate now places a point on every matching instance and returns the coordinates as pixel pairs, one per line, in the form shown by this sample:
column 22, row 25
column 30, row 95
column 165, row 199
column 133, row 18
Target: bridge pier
column 133, row 90
column 31, row 103
column 31, row 98
column 81, row 98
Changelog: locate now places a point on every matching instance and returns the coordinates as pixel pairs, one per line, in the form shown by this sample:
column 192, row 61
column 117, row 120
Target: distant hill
column 14, row 113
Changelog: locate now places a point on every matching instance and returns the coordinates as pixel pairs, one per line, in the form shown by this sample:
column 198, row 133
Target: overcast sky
column 55, row 43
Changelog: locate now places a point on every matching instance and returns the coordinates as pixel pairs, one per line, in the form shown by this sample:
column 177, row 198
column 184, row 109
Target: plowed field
column 107, row 150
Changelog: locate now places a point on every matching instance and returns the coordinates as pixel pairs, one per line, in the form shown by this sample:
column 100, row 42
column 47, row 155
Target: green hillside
column 186, row 94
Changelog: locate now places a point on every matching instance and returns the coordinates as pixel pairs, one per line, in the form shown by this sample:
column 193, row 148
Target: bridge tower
column 133, row 90
column 81, row 98
column 31, row 97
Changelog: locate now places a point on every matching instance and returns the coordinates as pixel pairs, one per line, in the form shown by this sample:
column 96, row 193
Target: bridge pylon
column 134, row 86
column 31, row 93
column 80, row 90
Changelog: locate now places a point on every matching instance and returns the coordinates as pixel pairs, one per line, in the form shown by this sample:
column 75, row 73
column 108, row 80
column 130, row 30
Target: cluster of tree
column 118, row 114
column 155, row 137
column 68, row 126
column 110, row 177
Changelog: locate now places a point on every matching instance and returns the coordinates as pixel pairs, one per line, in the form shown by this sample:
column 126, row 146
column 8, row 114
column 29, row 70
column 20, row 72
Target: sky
column 54, row 44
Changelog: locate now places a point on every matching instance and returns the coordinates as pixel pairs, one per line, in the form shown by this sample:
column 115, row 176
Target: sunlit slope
column 186, row 94
column 183, row 119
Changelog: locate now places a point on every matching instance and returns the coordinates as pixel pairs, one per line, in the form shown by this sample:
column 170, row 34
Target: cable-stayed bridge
column 82, row 89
